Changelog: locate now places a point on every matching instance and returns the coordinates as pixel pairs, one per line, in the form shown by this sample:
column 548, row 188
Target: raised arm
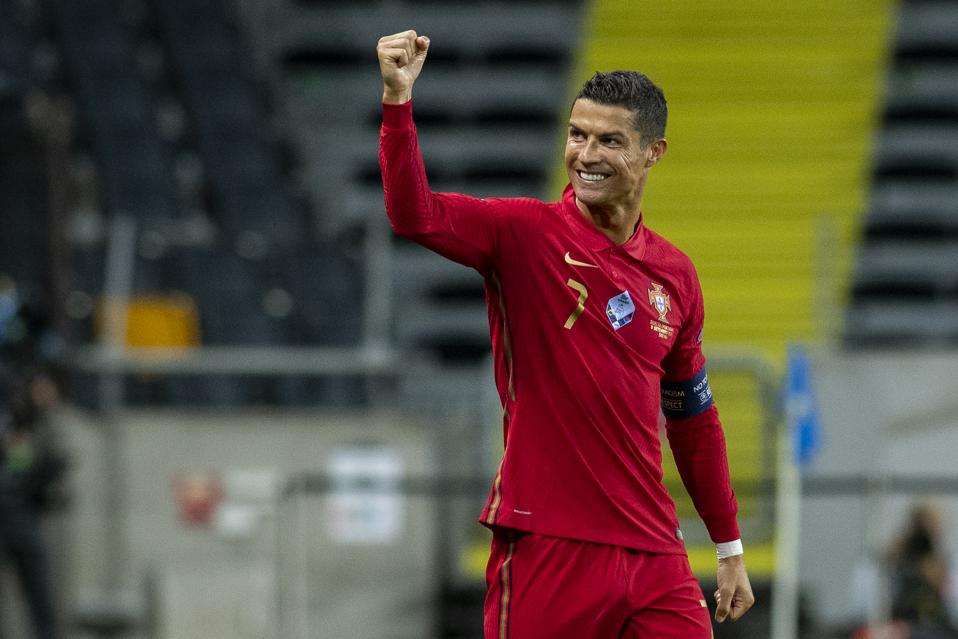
column 459, row 227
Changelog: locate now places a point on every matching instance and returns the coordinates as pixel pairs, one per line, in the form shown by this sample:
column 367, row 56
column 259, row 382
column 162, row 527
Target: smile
column 591, row 177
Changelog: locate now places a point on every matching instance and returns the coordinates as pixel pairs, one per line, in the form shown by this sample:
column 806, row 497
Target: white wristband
column 729, row 549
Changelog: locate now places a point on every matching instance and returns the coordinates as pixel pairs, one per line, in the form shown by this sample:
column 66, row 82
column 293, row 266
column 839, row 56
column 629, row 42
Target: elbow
column 406, row 227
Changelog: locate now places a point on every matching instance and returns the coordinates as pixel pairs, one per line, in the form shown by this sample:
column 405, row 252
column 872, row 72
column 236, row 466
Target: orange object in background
column 198, row 495
column 156, row 321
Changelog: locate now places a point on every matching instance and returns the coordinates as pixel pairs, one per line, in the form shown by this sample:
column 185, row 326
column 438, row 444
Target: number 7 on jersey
column 580, row 304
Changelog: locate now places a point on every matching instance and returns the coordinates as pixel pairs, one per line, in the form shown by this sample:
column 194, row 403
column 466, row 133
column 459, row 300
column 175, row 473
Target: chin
column 588, row 197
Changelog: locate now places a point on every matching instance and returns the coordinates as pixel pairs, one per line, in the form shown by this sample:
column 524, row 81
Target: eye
column 576, row 134
column 611, row 141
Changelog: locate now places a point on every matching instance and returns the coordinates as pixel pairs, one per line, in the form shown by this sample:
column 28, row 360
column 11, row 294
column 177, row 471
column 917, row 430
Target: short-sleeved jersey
column 583, row 331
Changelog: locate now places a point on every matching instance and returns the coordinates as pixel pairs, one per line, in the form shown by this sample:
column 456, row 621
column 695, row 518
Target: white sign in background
column 364, row 505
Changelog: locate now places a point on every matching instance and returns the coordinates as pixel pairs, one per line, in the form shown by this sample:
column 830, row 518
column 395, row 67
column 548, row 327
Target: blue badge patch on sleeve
column 681, row 400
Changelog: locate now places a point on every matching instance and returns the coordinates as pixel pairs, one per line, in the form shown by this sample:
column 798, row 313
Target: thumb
column 422, row 46
column 724, row 604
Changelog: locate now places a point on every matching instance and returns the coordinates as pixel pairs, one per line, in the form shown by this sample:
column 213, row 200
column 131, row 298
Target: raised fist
column 401, row 57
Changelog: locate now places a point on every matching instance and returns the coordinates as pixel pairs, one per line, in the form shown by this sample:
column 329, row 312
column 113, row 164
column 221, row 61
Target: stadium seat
column 906, row 274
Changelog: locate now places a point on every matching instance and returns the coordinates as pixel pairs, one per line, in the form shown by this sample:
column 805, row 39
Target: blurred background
column 234, row 405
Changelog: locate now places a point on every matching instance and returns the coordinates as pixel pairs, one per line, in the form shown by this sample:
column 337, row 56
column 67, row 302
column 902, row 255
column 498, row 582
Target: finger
column 398, row 57
column 402, row 35
column 736, row 613
column 409, row 43
column 405, row 40
column 395, row 43
column 740, row 605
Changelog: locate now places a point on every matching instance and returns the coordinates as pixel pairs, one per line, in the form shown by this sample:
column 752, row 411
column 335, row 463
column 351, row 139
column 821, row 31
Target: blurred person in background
column 31, row 464
column 586, row 542
column 922, row 578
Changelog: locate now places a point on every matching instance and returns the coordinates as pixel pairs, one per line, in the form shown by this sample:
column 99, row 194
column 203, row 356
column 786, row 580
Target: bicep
column 464, row 229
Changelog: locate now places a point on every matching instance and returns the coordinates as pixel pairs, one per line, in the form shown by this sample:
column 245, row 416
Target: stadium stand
column 906, row 278
column 770, row 129
column 23, row 167
column 100, row 50
column 230, row 118
column 496, row 91
column 177, row 131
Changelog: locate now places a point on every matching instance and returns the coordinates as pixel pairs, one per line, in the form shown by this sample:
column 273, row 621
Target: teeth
column 592, row 177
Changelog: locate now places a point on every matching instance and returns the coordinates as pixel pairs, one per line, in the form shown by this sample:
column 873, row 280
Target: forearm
column 698, row 445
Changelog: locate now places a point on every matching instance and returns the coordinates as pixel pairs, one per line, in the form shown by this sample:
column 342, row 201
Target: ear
column 656, row 150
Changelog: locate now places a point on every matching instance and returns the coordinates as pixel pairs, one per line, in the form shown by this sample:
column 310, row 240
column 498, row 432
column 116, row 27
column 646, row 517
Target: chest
column 599, row 298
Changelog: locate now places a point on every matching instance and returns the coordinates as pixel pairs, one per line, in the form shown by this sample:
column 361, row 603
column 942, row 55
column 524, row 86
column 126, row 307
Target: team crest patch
column 620, row 310
column 659, row 300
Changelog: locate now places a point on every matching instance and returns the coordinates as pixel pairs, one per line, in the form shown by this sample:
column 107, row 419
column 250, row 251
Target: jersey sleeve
column 693, row 427
column 459, row 227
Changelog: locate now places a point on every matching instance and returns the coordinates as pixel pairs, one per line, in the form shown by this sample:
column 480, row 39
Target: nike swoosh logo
column 569, row 260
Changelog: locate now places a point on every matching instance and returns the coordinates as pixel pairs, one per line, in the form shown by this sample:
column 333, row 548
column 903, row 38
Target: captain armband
column 681, row 400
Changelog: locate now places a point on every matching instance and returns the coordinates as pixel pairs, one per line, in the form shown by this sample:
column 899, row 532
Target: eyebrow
column 601, row 134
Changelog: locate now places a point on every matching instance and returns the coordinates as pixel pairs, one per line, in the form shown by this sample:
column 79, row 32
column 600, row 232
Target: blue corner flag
column 801, row 409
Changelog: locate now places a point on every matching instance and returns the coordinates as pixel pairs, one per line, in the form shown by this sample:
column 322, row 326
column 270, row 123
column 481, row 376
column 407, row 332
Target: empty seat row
column 245, row 179
column 905, row 291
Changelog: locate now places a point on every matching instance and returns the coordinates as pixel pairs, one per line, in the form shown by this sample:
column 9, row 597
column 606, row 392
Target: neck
column 617, row 224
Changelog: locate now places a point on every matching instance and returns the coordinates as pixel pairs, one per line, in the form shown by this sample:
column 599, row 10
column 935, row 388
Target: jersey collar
column 597, row 240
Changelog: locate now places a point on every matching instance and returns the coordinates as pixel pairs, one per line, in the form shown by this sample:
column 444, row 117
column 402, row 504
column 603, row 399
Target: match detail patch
column 620, row 310
column 681, row 400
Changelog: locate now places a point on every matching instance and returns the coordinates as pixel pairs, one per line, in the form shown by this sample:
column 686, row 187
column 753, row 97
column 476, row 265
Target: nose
column 590, row 152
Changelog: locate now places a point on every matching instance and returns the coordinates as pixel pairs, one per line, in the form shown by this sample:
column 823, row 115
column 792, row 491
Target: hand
column 734, row 595
column 401, row 57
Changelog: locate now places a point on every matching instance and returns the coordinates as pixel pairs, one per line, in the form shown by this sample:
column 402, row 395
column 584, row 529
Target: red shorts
column 551, row 588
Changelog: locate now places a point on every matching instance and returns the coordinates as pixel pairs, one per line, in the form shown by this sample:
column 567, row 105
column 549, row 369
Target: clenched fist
column 401, row 57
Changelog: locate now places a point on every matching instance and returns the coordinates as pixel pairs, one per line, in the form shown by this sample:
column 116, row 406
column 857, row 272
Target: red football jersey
column 584, row 332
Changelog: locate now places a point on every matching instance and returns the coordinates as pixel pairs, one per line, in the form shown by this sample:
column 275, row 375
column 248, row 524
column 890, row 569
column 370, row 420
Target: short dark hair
column 634, row 91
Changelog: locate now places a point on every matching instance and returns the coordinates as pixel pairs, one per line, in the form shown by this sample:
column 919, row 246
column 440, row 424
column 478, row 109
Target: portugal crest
column 659, row 300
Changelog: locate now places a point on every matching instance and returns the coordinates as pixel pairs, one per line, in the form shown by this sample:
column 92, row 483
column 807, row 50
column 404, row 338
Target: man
column 596, row 322
column 32, row 466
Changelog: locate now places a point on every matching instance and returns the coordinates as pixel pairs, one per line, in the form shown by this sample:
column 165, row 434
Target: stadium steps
column 906, row 274
column 771, row 112
column 230, row 115
column 100, row 47
column 496, row 89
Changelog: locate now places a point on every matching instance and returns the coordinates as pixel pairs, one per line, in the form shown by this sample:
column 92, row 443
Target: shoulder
column 668, row 254
column 675, row 265
column 519, row 209
column 518, row 203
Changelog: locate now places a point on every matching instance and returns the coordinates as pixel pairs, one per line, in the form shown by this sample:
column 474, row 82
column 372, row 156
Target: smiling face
column 606, row 161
